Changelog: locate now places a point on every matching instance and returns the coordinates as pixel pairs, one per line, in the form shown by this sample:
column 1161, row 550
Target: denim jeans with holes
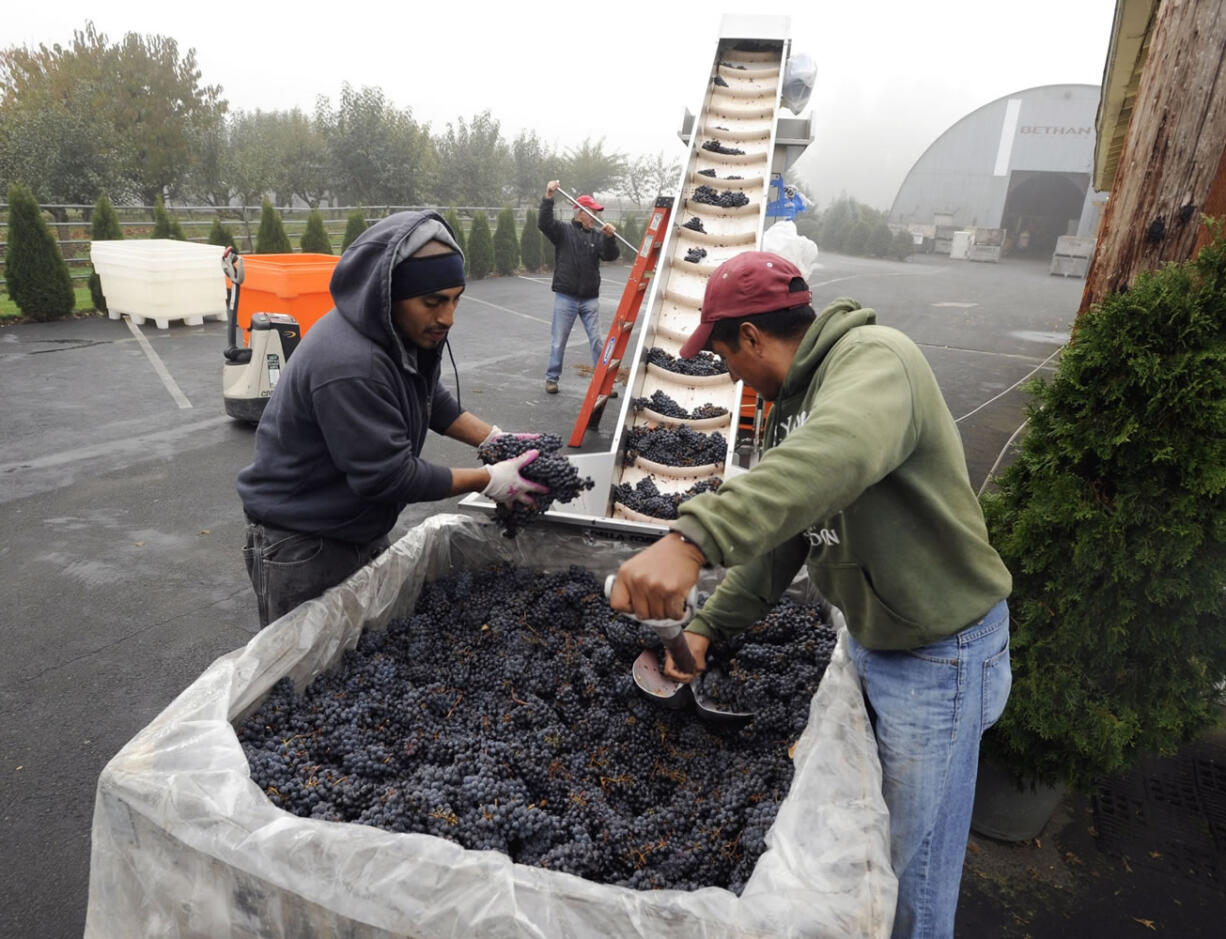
column 929, row 707
column 287, row 568
column 565, row 309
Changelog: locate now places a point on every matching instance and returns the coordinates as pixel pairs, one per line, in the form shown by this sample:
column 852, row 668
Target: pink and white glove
column 507, row 484
column 497, row 432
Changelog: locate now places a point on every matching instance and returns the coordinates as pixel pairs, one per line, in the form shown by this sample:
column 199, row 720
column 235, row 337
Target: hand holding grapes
column 507, row 484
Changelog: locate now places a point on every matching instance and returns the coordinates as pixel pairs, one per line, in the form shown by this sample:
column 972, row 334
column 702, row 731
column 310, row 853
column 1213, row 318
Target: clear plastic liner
column 186, row 845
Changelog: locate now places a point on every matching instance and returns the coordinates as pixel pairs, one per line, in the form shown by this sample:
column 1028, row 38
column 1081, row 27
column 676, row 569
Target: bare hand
column 609, row 230
column 698, row 648
column 653, row 584
column 550, row 188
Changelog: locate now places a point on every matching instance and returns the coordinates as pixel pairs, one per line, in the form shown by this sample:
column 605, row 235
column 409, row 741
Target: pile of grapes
column 695, row 224
column 502, row 715
column 647, row 499
column 550, row 469
column 704, row 364
column 664, row 405
column 675, row 446
column 694, row 255
column 720, row 81
column 716, row 147
column 728, row 199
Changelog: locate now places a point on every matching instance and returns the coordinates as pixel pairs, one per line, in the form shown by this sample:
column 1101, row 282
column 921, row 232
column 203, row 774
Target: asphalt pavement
column 121, row 577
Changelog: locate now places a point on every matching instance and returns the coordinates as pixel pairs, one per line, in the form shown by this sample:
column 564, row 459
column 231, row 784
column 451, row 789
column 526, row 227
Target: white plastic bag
column 783, row 239
column 799, row 77
column 186, row 845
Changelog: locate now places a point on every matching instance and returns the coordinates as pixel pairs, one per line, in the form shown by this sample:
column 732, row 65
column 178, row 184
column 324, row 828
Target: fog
column 892, row 76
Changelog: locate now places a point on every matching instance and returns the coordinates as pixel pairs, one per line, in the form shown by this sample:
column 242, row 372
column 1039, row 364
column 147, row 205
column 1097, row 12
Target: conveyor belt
column 730, row 159
column 734, row 147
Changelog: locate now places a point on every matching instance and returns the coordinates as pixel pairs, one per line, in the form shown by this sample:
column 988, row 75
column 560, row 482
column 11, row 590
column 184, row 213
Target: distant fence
column 71, row 225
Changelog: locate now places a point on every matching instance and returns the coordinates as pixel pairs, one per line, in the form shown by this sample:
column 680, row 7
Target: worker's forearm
column 468, row 480
column 469, row 429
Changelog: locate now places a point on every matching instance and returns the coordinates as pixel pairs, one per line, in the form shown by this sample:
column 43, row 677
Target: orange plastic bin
column 295, row 284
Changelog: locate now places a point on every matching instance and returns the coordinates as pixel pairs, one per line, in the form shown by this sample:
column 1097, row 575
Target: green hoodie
column 864, row 479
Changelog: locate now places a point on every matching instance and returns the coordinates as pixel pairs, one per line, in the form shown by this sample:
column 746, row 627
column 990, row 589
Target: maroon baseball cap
column 589, row 203
column 752, row 282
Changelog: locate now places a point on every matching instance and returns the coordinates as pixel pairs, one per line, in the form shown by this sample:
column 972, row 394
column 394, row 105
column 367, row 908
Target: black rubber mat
column 1169, row 814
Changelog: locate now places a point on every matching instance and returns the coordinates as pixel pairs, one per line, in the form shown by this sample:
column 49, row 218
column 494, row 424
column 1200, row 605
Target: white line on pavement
column 469, row 298
column 158, row 366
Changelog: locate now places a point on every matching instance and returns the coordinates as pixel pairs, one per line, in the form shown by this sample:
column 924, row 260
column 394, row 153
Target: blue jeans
column 287, row 568
column 930, row 706
column 565, row 309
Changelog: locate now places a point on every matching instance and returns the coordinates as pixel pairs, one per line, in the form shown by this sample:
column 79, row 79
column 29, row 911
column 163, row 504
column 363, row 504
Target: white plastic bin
column 161, row 279
column 186, row 845
column 960, row 245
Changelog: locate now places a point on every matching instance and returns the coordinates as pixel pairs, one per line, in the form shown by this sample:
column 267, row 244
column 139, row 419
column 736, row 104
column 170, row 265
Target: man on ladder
column 579, row 249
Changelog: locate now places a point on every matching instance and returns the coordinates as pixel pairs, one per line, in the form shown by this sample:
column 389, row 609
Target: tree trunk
column 1172, row 165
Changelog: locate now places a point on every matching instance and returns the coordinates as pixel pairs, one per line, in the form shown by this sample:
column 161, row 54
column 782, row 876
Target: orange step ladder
column 628, row 308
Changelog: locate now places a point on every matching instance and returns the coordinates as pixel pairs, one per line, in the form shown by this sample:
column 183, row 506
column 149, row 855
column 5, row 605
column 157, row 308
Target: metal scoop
column 652, row 681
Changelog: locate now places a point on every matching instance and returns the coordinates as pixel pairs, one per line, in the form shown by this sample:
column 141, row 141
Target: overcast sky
column 892, row 74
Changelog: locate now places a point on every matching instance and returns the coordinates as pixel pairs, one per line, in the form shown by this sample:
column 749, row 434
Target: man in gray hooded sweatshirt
column 338, row 448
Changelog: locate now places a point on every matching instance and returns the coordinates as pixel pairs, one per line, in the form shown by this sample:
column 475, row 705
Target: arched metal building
column 1021, row 164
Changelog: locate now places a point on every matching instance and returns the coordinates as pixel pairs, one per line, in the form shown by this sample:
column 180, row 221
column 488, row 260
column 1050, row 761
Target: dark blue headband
column 416, row 277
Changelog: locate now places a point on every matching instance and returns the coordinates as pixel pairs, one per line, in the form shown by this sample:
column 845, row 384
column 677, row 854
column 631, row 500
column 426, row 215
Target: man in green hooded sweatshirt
column 864, row 481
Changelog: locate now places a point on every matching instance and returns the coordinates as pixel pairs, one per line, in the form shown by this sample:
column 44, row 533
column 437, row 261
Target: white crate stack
column 161, row 279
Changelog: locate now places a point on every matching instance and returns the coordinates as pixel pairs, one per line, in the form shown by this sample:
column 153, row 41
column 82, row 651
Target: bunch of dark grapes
column 728, row 199
column 646, row 498
column 501, row 715
column 716, row 147
column 710, row 173
column 749, row 677
column 719, row 80
column 703, row 364
column 550, row 469
column 675, row 446
column 704, row 411
column 695, row 224
column 734, row 65
column 661, row 403
column 664, row 405
column 694, row 255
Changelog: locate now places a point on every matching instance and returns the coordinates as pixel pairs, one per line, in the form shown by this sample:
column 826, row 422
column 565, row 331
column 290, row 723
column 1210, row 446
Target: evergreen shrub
column 35, row 274
column 530, row 243
column 904, row 245
column 222, row 235
column 480, row 247
column 506, row 244
column 452, row 219
column 103, row 226
column 314, row 238
column 270, row 238
column 355, row 224
column 164, row 224
column 633, row 233
column 1112, row 519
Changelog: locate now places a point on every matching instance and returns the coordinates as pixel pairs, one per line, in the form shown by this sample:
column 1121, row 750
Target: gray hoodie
column 337, row 448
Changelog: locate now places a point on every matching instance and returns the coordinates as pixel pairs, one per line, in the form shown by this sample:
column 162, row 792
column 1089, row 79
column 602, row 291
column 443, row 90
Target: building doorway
column 1040, row 207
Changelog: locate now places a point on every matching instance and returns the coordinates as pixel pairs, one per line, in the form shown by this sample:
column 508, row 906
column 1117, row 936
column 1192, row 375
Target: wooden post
column 1171, row 170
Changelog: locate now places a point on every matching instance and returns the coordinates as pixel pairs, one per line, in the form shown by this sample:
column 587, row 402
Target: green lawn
column 8, row 309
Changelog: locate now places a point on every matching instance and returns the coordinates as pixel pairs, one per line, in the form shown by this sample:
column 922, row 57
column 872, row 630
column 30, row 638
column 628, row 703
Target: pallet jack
column 249, row 375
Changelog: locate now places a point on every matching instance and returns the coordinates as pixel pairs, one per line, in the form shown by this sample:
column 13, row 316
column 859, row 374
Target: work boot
column 551, row 387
